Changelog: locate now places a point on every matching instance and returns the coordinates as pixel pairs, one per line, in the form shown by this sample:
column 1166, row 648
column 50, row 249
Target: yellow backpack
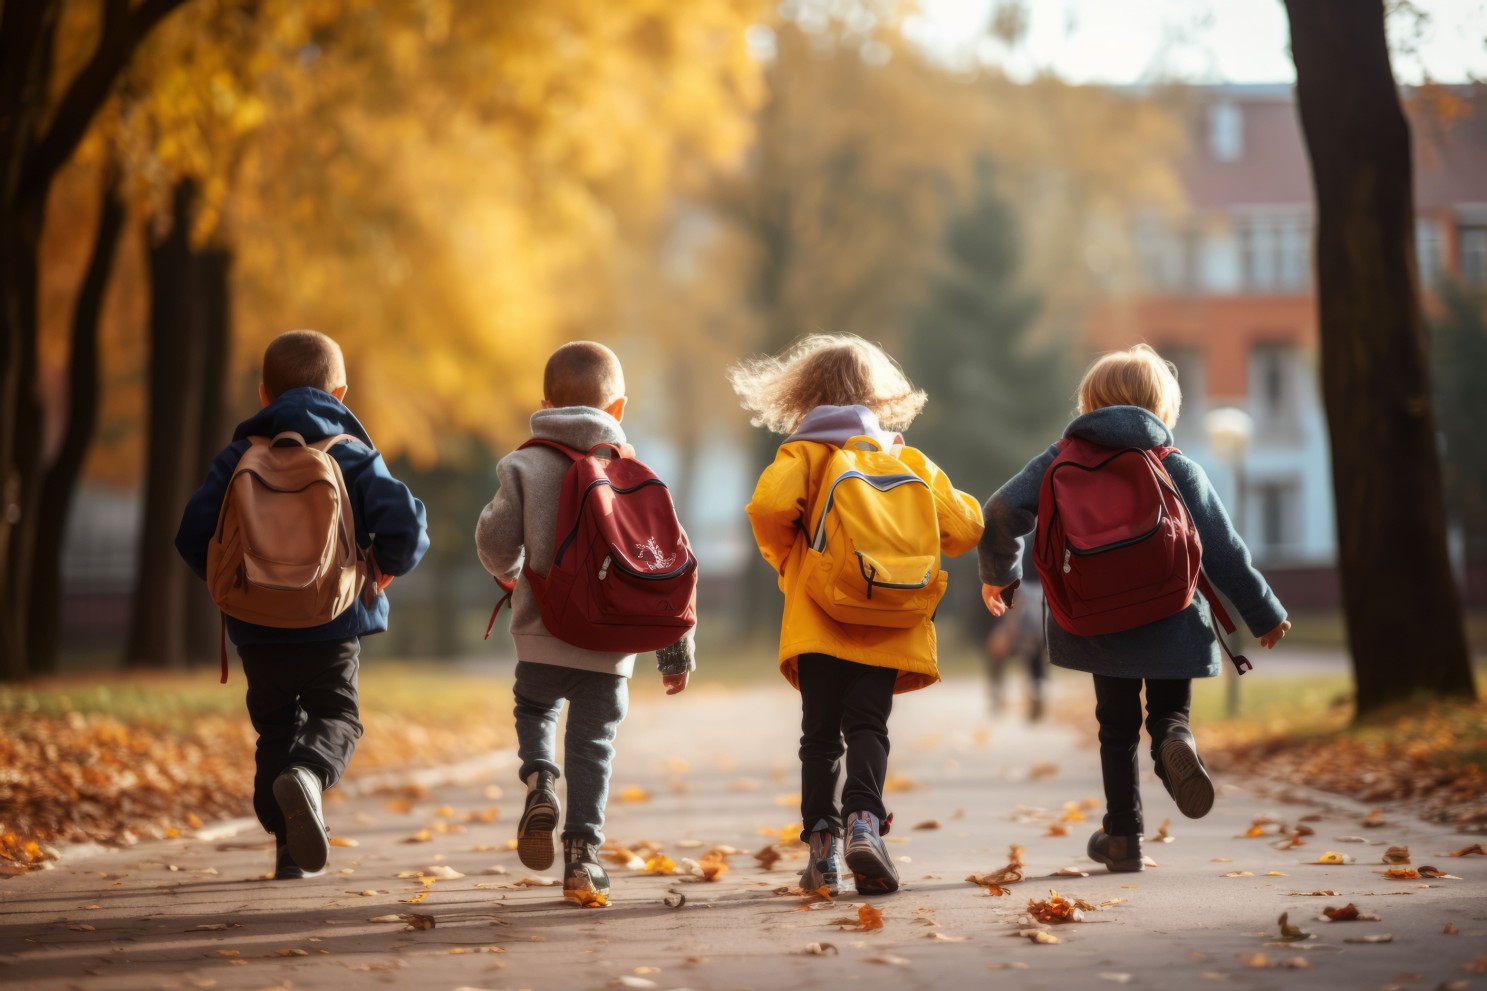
column 874, row 556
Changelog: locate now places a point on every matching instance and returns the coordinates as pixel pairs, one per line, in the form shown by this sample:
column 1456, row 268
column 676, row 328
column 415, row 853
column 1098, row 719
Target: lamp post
column 1229, row 431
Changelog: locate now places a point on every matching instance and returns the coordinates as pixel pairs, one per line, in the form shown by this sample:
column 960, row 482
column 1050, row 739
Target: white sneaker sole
column 304, row 833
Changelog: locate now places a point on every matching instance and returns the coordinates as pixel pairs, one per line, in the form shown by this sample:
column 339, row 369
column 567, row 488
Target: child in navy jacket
column 302, row 695
column 1131, row 399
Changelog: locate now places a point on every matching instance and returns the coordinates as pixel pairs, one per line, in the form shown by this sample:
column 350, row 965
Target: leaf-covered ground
column 120, row 758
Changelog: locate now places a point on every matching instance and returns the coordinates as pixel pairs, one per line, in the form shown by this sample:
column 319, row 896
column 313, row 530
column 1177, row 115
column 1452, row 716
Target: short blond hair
column 299, row 358
column 583, row 373
column 1136, row 376
column 825, row 370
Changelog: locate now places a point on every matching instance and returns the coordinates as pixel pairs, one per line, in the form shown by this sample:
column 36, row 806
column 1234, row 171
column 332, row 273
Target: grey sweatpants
column 598, row 703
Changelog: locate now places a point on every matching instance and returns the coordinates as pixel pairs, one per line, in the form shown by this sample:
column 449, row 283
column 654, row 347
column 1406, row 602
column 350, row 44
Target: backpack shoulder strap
column 620, row 450
column 862, row 442
column 324, row 446
column 1162, row 452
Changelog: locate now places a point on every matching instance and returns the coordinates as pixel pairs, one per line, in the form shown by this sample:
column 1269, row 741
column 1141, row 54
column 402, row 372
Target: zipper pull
column 1068, row 556
column 604, row 568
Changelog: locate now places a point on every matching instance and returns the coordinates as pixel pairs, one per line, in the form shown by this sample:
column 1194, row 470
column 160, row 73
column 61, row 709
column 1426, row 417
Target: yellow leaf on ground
column 869, row 918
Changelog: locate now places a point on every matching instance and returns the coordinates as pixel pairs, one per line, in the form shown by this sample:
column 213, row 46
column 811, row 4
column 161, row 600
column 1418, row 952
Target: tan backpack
column 285, row 552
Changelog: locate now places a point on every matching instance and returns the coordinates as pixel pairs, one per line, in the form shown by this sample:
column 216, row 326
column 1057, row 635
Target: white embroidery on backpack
column 661, row 562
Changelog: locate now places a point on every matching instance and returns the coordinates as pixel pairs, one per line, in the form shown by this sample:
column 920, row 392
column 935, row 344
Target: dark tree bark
column 30, row 158
column 1403, row 618
column 158, row 617
column 211, row 305
column 60, row 481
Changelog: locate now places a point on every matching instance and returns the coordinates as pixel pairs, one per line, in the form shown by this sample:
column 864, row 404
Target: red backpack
column 623, row 575
column 1115, row 546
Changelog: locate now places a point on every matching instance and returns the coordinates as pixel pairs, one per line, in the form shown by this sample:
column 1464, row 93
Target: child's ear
column 263, row 396
column 340, row 393
column 616, row 409
column 547, row 404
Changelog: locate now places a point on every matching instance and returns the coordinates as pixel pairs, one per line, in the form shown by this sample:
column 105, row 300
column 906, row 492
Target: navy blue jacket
column 389, row 520
column 1180, row 646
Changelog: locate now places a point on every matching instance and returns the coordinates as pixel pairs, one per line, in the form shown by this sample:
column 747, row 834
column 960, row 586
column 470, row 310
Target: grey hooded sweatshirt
column 519, row 525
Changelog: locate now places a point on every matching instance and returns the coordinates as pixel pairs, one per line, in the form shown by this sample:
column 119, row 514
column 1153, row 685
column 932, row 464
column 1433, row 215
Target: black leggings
column 844, row 710
column 1118, row 709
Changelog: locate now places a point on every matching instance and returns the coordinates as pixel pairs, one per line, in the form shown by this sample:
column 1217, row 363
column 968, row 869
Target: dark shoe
column 534, row 843
column 285, row 869
column 583, row 876
column 822, row 869
column 297, row 791
column 1186, row 780
column 1119, row 854
column 867, row 857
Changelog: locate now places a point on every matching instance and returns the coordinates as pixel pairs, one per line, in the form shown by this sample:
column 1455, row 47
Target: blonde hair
column 1135, row 377
column 583, row 373
column 299, row 358
column 825, row 370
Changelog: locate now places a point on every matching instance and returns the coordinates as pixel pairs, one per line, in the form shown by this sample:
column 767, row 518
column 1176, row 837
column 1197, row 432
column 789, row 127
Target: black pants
column 1118, row 709
column 302, row 701
column 844, row 709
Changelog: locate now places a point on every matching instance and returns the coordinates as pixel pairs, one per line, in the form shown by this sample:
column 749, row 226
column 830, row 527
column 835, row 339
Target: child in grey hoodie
column 583, row 402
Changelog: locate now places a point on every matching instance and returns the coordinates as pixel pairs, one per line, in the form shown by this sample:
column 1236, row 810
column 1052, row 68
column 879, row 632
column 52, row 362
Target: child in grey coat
column 584, row 399
column 1131, row 399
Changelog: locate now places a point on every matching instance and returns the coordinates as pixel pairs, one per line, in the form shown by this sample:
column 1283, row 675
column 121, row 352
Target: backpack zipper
column 583, row 503
column 882, row 483
column 872, row 579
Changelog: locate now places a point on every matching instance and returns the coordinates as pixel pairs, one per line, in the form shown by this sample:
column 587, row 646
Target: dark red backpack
column 1115, row 546
column 623, row 575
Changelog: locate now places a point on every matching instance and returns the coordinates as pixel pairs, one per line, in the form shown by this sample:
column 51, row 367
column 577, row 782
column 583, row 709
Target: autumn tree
column 1403, row 617
column 43, row 116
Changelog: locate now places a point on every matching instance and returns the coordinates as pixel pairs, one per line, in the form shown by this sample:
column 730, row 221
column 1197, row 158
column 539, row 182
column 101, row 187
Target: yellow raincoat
column 781, row 512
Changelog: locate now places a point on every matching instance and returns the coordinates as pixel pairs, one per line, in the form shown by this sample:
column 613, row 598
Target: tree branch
column 89, row 89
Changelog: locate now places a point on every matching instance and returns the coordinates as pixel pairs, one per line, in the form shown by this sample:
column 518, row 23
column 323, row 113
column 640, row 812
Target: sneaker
column 534, row 843
column 867, row 857
column 297, row 791
column 822, row 869
column 582, row 872
column 1119, row 854
column 285, row 869
column 1185, row 778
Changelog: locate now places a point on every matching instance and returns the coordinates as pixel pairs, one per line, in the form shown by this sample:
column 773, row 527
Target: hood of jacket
column 1121, row 426
column 578, row 427
column 839, row 424
column 309, row 412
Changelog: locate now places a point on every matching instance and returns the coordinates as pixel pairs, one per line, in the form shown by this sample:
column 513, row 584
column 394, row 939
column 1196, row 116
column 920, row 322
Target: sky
column 1236, row 41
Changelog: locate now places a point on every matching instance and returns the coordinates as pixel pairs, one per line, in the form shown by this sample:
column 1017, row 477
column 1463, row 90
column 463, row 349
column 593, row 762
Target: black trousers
column 844, row 710
column 1118, row 709
column 302, row 701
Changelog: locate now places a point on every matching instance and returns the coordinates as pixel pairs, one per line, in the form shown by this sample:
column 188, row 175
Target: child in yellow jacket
column 825, row 392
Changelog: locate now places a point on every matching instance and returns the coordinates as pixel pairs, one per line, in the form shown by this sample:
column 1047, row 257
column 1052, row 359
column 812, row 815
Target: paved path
column 719, row 769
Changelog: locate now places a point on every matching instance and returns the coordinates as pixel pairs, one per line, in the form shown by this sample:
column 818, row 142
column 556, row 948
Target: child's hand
column 1272, row 638
column 992, row 596
column 675, row 683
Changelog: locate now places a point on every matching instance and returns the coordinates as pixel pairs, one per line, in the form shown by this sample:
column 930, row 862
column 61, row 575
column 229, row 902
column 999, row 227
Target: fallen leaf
column 344, row 841
column 1256, row 961
column 927, row 824
column 1039, row 771
column 415, row 899
column 1397, row 855
column 1374, row 819
column 1333, row 857
column 1450, row 929
column 1402, row 874
column 1238, row 874
column 417, row 921
column 660, row 864
column 214, row 927
column 820, row 950
column 887, row 959
column 633, row 795
column 1276, row 874
column 942, row 938
column 1057, row 829
column 869, row 919
column 1070, row 872
column 387, row 918
column 1163, row 836
column 1476, row 849
column 1428, row 871
column 422, row 836
column 674, row 900
column 1055, row 909
column 768, row 857
column 292, row 952
column 584, row 898
column 1040, row 936
column 1347, row 913
column 1378, row 938
column 444, row 872
column 639, row 983
column 1319, row 893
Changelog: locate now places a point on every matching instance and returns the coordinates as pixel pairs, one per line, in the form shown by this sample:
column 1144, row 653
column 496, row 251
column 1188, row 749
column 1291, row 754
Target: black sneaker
column 1119, row 854
column 583, row 876
column 822, row 869
column 1186, row 780
column 285, row 869
column 297, row 790
column 534, row 843
column 867, row 857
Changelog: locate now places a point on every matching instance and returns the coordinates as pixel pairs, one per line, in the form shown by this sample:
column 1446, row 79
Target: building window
column 1428, row 253
column 1274, row 253
column 1225, row 132
column 1274, row 391
column 1277, row 514
column 1474, row 256
column 1161, row 253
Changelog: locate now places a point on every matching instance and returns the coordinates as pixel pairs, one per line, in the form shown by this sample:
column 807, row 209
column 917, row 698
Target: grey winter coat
column 1180, row 646
column 519, row 525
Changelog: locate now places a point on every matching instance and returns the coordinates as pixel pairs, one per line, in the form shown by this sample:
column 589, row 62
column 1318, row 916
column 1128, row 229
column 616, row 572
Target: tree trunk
column 158, row 617
column 60, row 481
column 211, row 323
column 1403, row 618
